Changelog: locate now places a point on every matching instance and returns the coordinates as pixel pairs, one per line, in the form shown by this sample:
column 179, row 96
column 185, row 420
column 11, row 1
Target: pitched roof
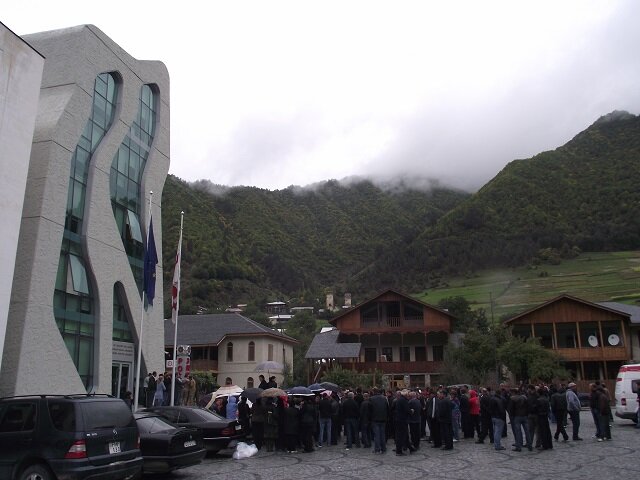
column 602, row 306
column 212, row 329
column 623, row 307
column 384, row 292
column 325, row 345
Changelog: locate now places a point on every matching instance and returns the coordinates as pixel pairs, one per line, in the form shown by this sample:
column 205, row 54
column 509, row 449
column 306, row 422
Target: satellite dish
column 593, row 340
column 613, row 339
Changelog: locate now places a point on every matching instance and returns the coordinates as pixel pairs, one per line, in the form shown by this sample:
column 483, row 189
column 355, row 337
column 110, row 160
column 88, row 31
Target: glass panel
column 544, row 332
column 123, row 159
column 611, row 334
column 81, row 163
column 78, row 200
column 566, row 335
column 101, row 85
column 61, row 276
column 85, row 356
column 134, row 224
column 100, row 112
column 523, row 331
column 79, row 275
column 589, row 335
column 387, row 354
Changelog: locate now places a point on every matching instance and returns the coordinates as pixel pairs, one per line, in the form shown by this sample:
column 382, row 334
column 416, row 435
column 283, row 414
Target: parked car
column 218, row 433
column 627, row 384
column 166, row 447
column 74, row 437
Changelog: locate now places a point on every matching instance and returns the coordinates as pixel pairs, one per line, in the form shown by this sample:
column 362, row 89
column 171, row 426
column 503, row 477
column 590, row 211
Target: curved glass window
column 121, row 325
column 73, row 298
column 128, row 164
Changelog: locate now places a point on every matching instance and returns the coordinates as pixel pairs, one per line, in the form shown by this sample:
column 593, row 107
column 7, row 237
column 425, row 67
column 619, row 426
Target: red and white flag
column 175, row 287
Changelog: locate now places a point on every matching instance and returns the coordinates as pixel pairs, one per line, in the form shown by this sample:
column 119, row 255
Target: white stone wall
column 20, row 75
column 240, row 369
column 39, row 359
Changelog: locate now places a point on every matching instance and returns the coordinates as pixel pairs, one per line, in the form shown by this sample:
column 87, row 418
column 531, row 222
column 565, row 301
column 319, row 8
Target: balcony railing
column 204, row 365
column 398, row 367
column 594, row 353
column 392, row 322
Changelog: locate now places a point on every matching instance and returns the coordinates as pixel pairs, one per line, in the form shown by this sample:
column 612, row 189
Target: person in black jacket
column 308, row 422
column 434, row 426
column 415, row 409
column 559, row 408
column 379, row 416
column 543, row 419
column 498, row 415
column 486, row 425
column 518, row 413
column 365, row 421
column 351, row 416
column 444, row 411
column 400, row 421
column 324, row 419
column 291, row 426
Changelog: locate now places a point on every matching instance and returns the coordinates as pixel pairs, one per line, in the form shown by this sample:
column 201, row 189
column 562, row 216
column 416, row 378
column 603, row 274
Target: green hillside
column 251, row 245
column 596, row 277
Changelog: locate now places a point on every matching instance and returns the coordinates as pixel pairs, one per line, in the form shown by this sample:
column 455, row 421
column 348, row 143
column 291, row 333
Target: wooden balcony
column 204, row 365
column 591, row 354
column 397, row 367
column 392, row 322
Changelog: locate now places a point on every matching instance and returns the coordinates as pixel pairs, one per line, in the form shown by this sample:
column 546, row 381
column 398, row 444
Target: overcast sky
column 274, row 93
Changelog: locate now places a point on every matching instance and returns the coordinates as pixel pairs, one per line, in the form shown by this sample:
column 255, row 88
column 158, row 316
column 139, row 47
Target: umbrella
column 327, row 393
column 268, row 366
column 252, row 393
column 330, row 386
column 227, row 390
column 273, row 392
column 300, row 391
column 316, row 387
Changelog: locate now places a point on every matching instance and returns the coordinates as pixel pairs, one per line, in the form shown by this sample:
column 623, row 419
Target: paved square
column 616, row 459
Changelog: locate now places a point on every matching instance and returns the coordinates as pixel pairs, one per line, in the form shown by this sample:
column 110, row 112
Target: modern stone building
column 20, row 75
column 101, row 144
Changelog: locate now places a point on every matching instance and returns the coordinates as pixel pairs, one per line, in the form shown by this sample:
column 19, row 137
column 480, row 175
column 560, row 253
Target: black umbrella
column 330, row 386
column 252, row 393
column 299, row 391
column 316, row 387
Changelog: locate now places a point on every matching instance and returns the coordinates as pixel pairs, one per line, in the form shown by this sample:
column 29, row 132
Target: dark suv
column 71, row 437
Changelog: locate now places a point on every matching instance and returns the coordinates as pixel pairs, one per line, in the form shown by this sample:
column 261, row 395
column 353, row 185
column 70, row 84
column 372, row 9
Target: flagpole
column 175, row 332
column 136, row 397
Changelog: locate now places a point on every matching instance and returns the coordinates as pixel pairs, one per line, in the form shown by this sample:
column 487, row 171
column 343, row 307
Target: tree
column 303, row 328
column 528, row 360
column 465, row 318
column 350, row 378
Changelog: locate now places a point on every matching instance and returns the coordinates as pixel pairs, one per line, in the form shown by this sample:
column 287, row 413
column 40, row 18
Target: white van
column 627, row 384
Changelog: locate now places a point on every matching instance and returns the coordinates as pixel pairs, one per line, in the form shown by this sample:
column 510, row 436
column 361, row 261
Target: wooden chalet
column 593, row 339
column 391, row 332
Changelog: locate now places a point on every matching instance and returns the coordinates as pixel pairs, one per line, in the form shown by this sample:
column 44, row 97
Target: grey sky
column 272, row 93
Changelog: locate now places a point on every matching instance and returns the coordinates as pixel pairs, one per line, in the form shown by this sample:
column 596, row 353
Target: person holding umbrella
column 263, row 383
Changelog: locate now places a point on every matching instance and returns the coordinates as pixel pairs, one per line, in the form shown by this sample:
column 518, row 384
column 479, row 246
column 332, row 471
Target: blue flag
column 150, row 262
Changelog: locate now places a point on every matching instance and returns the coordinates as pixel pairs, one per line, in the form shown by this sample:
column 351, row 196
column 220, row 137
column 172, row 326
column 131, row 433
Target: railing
column 392, row 322
column 593, row 354
column 398, row 367
column 204, row 365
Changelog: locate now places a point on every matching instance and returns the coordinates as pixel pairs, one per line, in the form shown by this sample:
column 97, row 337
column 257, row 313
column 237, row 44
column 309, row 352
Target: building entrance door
column 121, row 380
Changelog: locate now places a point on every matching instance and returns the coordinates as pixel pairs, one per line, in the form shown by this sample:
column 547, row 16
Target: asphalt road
column 616, row 459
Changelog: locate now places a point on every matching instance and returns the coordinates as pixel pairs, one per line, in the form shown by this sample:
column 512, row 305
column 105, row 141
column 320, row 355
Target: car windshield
column 107, row 414
column 153, row 425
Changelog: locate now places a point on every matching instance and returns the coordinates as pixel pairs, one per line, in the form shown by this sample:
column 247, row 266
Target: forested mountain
column 245, row 244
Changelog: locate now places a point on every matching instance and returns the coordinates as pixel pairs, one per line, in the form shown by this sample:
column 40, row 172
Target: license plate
column 114, row 447
column 190, row 443
column 238, row 427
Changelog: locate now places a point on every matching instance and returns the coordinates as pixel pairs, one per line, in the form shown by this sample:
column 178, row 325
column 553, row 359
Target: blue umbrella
column 316, row 387
column 299, row 391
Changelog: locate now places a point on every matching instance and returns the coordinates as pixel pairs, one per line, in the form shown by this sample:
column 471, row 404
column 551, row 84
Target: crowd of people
column 157, row 390
column 438, row 417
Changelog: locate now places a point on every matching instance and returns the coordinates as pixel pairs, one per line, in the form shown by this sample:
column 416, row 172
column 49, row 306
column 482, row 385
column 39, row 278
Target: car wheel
column 36, row 472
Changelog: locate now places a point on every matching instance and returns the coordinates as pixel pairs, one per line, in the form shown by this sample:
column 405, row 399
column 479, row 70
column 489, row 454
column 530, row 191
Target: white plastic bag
column 244, row 451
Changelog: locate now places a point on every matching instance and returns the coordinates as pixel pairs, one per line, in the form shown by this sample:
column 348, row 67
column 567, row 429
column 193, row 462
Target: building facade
column 393, row 333
column 232, row 347
column 20, row 76
column 100, row 146
column 593, row 339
